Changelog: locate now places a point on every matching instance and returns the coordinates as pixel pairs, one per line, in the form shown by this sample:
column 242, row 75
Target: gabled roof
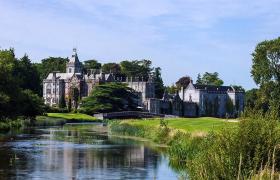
column 60, row 76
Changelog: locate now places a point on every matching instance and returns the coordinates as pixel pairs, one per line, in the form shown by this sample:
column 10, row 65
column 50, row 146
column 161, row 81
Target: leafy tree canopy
column 159, row 86
column 266, row 72
column 210, row 79
column 137, row 68
column 51, row 64
column 114, row 68
column 109, row 97
column 91, row 64
column 17, row 96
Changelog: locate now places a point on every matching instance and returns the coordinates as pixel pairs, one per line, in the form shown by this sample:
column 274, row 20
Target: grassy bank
column 250, row 149
column 193, row 125
column 55, row 119
column 73, row 117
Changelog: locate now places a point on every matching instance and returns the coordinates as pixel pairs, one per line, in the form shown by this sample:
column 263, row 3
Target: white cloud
column 181, row 36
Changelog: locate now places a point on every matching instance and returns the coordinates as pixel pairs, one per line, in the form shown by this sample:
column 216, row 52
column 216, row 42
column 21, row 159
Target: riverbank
column 225, row 150
column 56, row 119
column 10, row 124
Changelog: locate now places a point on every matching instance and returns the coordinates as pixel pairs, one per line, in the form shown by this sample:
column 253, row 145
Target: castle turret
column 74, row 65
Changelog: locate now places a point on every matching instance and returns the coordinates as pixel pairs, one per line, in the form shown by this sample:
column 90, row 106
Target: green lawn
column 73, row 116
column 202, row 124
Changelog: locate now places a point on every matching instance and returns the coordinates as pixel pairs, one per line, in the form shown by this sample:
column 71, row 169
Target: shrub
column 240, row 152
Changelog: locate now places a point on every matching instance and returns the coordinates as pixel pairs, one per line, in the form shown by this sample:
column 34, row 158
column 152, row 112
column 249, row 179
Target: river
column 78, row 151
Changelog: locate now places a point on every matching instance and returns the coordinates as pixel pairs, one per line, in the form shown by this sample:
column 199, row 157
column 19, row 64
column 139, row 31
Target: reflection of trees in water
column 117, row 156
column 49, row 158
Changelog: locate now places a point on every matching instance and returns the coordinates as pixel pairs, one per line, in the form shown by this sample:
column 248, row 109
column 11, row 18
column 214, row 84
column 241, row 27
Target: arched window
column 49, row 88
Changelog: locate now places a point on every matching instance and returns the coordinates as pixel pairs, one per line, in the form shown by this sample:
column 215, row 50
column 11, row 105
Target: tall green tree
column 91, row 64
column 51, row 64
column 266, row 72
column 16, row 95
column 251, row 98
column 114, row 68
column 171, row 89
column 198, row 79
column 27, row 75
column 210, row 79
column 109, row 97
column 137, row 68
column 159, row 86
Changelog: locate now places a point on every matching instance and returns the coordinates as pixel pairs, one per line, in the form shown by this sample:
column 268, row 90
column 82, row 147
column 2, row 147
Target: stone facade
column 195, row 100
column 218, row 101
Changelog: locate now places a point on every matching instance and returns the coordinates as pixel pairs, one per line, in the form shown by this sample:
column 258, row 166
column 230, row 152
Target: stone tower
column 74, row 65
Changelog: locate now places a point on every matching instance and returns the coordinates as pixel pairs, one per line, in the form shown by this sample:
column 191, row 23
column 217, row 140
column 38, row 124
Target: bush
column 240, row 152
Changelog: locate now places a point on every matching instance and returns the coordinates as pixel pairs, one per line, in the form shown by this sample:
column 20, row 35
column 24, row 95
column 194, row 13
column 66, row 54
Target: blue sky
column 183, row 37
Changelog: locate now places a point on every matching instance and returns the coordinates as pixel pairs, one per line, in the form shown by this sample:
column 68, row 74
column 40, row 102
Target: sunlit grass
column 73, row 116
column 201, row 124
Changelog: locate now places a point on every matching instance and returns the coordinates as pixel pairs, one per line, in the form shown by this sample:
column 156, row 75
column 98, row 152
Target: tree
column 171, row 89
column 251, row 98
column 183, row 82
column 109, row 97
column 210, row 79
column 159, row 86
column 16, row 97
column 27, row 75
column 111, row 68
column 238, row 88
column 198, row 80
column 31, row 104
column 266, row 72
column 137, row 68
column 91, row 64
column 51, row 64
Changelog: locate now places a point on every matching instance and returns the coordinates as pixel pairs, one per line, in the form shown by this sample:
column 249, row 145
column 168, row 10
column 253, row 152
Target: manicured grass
column 202, row 124
column 73, row 116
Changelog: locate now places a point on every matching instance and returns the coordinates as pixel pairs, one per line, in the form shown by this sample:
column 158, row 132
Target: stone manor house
column 192, row 101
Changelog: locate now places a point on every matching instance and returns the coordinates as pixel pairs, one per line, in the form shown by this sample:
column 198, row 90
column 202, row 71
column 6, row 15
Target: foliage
column 239, row 152
column 62, row 102
column 111, row 68
column 109, row 97
column 210, row 79
column 229, row 107
column 183, row 82
column 27, row 75
column 17, row 96
column 91, row 64
column 266, row 73
column 171, row 89
column 238, row 88
column 51, row 64
column 159, row 86
column 137, row 68
column 31, row 104
column 251, row 98
column 198, row 79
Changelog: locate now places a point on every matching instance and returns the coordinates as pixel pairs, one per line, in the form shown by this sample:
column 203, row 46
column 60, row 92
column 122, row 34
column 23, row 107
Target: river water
column 79, row 152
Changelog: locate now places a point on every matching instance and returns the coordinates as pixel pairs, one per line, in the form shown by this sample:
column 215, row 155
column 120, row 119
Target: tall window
column 49, row 89
column 70, row 70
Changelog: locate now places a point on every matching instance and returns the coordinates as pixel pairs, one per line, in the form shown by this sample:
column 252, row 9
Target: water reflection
column 79, row 153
